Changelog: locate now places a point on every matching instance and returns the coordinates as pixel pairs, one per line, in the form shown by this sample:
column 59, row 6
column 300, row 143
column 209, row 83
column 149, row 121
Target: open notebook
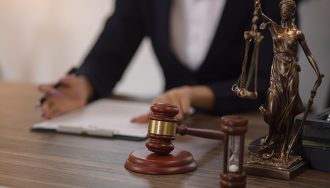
column 104, row 117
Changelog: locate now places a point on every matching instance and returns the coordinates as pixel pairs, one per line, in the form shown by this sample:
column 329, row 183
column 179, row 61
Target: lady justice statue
column 275, row 154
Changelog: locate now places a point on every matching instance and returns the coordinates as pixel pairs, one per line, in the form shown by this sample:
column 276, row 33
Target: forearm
column 201, row 97
column 113, row 50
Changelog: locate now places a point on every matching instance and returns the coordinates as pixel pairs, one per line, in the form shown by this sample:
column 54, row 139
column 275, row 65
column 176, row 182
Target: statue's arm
column 310, row 57
column 265, row 19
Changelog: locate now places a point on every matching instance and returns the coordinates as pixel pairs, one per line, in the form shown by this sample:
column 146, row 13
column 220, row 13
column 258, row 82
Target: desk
column 34, row 159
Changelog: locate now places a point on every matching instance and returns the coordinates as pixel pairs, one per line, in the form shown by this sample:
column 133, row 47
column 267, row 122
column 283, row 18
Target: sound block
column 146, row 162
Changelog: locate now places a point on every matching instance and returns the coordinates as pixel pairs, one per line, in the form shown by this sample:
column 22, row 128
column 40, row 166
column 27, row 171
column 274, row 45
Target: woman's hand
column 185, row 98
column 72, row 94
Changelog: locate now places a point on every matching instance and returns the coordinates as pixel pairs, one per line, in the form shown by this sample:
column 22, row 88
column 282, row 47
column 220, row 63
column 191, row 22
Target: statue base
column 273, row 167
column 146, row 162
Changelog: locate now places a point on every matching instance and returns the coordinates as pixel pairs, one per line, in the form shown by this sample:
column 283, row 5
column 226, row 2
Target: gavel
column 161, row 157
column 163, row 127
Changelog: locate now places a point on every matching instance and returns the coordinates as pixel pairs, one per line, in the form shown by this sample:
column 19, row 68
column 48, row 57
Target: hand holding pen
column 70, row 93
column 56, row 86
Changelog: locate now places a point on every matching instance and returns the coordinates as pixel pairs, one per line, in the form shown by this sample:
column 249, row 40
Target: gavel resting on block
column 161, row 157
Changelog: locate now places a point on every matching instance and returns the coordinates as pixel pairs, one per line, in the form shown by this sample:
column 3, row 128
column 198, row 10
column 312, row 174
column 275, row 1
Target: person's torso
column 223, row 58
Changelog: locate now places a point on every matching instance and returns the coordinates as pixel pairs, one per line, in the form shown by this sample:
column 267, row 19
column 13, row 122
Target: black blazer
column 135, row 19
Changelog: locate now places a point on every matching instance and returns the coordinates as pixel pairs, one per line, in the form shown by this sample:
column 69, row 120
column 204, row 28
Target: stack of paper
column 105, row 117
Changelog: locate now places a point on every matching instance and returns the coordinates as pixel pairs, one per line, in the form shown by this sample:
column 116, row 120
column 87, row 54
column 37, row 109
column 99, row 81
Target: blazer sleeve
column 113, row 50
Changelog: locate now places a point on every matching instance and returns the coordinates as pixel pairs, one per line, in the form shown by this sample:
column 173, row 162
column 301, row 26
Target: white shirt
column 193, row 26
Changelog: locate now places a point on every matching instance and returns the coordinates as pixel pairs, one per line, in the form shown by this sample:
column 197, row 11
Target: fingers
column 52, row 113
column 48, row 90
column 55, row 106
column 144, row 118
column 51, row 88
column 185, row 107
column 179, row 97
column 45, row 110
column 50, row 108
column 170, row 98
column 183, row 110
column 70, row 93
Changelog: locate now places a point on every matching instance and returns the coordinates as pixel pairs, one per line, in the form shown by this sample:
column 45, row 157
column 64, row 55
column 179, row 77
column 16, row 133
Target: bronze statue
column 283, row 102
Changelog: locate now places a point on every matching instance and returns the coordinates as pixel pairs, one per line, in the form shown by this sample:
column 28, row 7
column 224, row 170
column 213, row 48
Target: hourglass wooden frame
column 234, row 128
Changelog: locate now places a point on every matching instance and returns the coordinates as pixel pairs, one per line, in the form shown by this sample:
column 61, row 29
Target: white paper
column 105, row 117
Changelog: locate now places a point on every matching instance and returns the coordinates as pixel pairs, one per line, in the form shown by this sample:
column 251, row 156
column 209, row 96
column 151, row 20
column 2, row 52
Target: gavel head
column 162, row 128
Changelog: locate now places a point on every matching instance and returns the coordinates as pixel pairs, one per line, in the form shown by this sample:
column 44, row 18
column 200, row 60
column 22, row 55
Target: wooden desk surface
column 39, row 159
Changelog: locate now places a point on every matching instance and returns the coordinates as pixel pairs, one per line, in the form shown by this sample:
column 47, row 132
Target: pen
column 57, row 85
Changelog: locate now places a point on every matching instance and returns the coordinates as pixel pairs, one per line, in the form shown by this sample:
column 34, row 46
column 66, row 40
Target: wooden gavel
column 159, row 156
column 163, row 127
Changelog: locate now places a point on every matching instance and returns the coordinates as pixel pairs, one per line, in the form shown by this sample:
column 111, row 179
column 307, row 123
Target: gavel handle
column 204, row 133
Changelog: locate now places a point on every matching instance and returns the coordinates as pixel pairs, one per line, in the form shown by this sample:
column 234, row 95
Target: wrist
column 87, row 88
column 201, row 97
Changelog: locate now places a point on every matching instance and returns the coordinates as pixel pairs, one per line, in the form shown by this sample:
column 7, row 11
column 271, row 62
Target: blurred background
column 41, row 39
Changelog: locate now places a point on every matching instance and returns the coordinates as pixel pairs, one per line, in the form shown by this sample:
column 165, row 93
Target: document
column 104, row 117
